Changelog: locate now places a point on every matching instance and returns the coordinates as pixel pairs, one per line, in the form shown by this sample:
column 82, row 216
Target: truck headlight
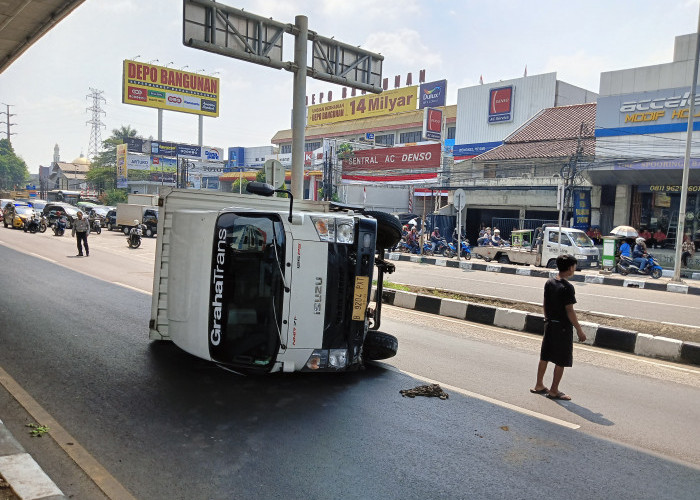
column 325, row 358
column 335, row 229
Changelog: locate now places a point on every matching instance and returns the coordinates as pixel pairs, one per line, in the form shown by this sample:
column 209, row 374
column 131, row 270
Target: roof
column 23, row 22
column 552, row 133
column 70, row 168
column 410, row 119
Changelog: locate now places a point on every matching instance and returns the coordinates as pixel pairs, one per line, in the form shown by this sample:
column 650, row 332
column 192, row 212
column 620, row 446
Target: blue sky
column 454, row 40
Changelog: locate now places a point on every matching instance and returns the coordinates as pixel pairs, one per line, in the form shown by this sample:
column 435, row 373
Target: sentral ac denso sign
column 404, row 163
column 168, row 88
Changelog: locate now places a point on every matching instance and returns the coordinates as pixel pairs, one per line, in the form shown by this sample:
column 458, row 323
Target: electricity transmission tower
column 7, row 122
column 97, row 125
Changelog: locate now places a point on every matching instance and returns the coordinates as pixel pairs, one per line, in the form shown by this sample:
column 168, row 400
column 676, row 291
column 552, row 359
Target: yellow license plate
column 359, row 299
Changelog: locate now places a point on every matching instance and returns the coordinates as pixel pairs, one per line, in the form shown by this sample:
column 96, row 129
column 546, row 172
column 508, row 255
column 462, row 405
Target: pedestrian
column 81, row 229
column 688, row 249
column 559, row 322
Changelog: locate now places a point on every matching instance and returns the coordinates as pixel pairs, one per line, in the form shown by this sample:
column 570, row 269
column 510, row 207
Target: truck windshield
column 247, row 290
column 581, row 239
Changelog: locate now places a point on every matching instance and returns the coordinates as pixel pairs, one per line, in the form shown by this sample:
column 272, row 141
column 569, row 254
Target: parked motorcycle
column 59, row 227
column 415, row 249
column 96, row 226
column 627, row 265
column 133, row 239
column 440, row 247
column 451, row 251
column 35, row 224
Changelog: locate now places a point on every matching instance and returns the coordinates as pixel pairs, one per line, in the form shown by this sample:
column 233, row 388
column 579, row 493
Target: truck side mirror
column 261, row 188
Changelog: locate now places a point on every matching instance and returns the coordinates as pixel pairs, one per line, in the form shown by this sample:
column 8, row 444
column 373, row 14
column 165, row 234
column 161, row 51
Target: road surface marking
column 99, row 475
column 41, row 257
column 532, row 336
column 130, row 287
column 503, row 404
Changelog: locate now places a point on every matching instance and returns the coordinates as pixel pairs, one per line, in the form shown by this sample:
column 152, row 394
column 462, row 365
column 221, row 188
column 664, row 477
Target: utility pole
column 97, row 125
column 568, row 174
column 7, row 120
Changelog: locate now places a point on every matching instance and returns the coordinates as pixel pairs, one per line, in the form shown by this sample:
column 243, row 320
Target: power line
column 96, row 122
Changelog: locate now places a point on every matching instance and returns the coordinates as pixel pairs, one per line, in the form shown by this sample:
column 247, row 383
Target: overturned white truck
column 263, row 284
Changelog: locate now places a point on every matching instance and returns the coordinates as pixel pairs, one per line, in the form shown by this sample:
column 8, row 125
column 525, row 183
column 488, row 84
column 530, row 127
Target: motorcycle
column 59, row 227
column 96, row 226
column 134, row 237
column 627, row 265
column 415, row 249
column 36, row 224
column 452, row 250
column 440, row 247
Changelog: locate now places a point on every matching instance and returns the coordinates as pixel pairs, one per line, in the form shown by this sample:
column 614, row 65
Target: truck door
column 551, row 249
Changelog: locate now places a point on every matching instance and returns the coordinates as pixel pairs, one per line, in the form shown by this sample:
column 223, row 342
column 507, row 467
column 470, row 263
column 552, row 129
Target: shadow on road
column 596, row 418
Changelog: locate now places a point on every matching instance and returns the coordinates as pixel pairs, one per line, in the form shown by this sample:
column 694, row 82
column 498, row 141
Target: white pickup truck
column 261, row 285
column 543, row 252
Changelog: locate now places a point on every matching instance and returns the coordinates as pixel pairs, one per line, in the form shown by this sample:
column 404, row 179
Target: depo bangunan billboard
column 167, row 88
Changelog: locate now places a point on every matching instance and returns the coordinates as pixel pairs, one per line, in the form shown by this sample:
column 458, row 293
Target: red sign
column 405, row 157
column 500, row 104
column 137, row 94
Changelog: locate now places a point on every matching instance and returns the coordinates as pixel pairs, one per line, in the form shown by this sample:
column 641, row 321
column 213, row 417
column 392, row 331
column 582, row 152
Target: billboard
column 432, row 124
column 168, row 88
column 432, row 94
column 365, row 106
column 501, row 104
column 402, row 164
column 121, row 166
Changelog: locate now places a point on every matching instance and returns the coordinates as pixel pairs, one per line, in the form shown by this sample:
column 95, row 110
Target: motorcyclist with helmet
column 639, row 254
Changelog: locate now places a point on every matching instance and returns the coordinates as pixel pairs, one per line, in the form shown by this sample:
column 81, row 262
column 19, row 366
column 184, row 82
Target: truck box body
column 237, row 283
column 127, row 213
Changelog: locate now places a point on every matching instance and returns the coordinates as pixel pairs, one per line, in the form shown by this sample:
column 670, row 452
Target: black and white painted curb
column 606, row 337
column 583, row 276
column 22, row 473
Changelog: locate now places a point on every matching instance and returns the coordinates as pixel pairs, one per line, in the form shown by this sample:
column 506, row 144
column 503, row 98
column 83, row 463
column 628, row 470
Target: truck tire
column 109, row 226
column 552, row 264
column 388, row 229
column 149, row 232
column 379, row 345
column 125, row 230
column 503, row 259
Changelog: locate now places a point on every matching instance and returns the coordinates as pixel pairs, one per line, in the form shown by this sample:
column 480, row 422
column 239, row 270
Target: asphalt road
column 660, row 306
column 167, row 425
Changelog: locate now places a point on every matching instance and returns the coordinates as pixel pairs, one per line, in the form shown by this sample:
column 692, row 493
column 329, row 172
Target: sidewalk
column 22, row 473
column 692, row 278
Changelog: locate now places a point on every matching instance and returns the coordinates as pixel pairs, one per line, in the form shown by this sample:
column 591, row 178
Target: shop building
column 641, row 128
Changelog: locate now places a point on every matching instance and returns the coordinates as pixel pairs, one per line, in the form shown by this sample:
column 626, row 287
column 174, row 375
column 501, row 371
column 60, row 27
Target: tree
column 235, row 189
column 103, row 169
column 13, row 170
column 114, row 196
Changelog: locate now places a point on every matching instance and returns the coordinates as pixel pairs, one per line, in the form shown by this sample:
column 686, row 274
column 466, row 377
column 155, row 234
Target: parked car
column 54, row 208
column 17, row 214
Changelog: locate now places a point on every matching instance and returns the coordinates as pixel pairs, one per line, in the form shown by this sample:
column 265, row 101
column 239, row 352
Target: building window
column 489, row 171
column 405, row 137
column 451, row 132
column 384, row 140
column 285, row 149
column 311, row 146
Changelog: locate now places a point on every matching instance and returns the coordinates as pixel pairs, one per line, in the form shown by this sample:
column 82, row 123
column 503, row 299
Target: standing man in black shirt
column 559, row 323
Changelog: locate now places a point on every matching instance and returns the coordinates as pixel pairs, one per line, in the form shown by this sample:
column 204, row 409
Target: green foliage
column 113, row 196
column 260, row 176
column 322, row 195
column 108, row 156
column 235, row 189
column 37, row 430
column 344, row 151
column 13, row 170
column 102, row 178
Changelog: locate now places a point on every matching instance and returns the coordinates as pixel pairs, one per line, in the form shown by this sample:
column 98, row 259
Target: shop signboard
column 501, row 104
column 466, row 151
column 419, row 163
column 432, row 124
column 433, row 94
column 656, row 164
column 582, row 209
column 364, row 106
column 168, row 88
column 655, row 112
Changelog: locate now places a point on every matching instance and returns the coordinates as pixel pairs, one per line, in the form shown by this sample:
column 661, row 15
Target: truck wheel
column 487, row 259
column 552, row 264
column 109, row 227
column 380, row 345
column 503, row 259
column 149, row 232
column 125, row 230
column 388, row 229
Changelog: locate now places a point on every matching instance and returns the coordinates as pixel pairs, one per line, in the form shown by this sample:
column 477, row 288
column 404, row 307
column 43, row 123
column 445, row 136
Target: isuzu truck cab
column 262, row 284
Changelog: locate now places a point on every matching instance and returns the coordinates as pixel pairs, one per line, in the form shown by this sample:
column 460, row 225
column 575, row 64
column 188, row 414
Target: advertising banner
column 400, row 164
column 138, row 162
column 365, row 106
column 432, row 124
column 501, row 104
column 121, row 166
column 582, row 209
column 159, row 164
column 168, row 88
column 465, row 151
column 432, row 94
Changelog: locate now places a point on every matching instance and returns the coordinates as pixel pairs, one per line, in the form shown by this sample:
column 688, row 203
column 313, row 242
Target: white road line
column 503, row 404
column 534, row 337
column 130, row 287
column 42, row 257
